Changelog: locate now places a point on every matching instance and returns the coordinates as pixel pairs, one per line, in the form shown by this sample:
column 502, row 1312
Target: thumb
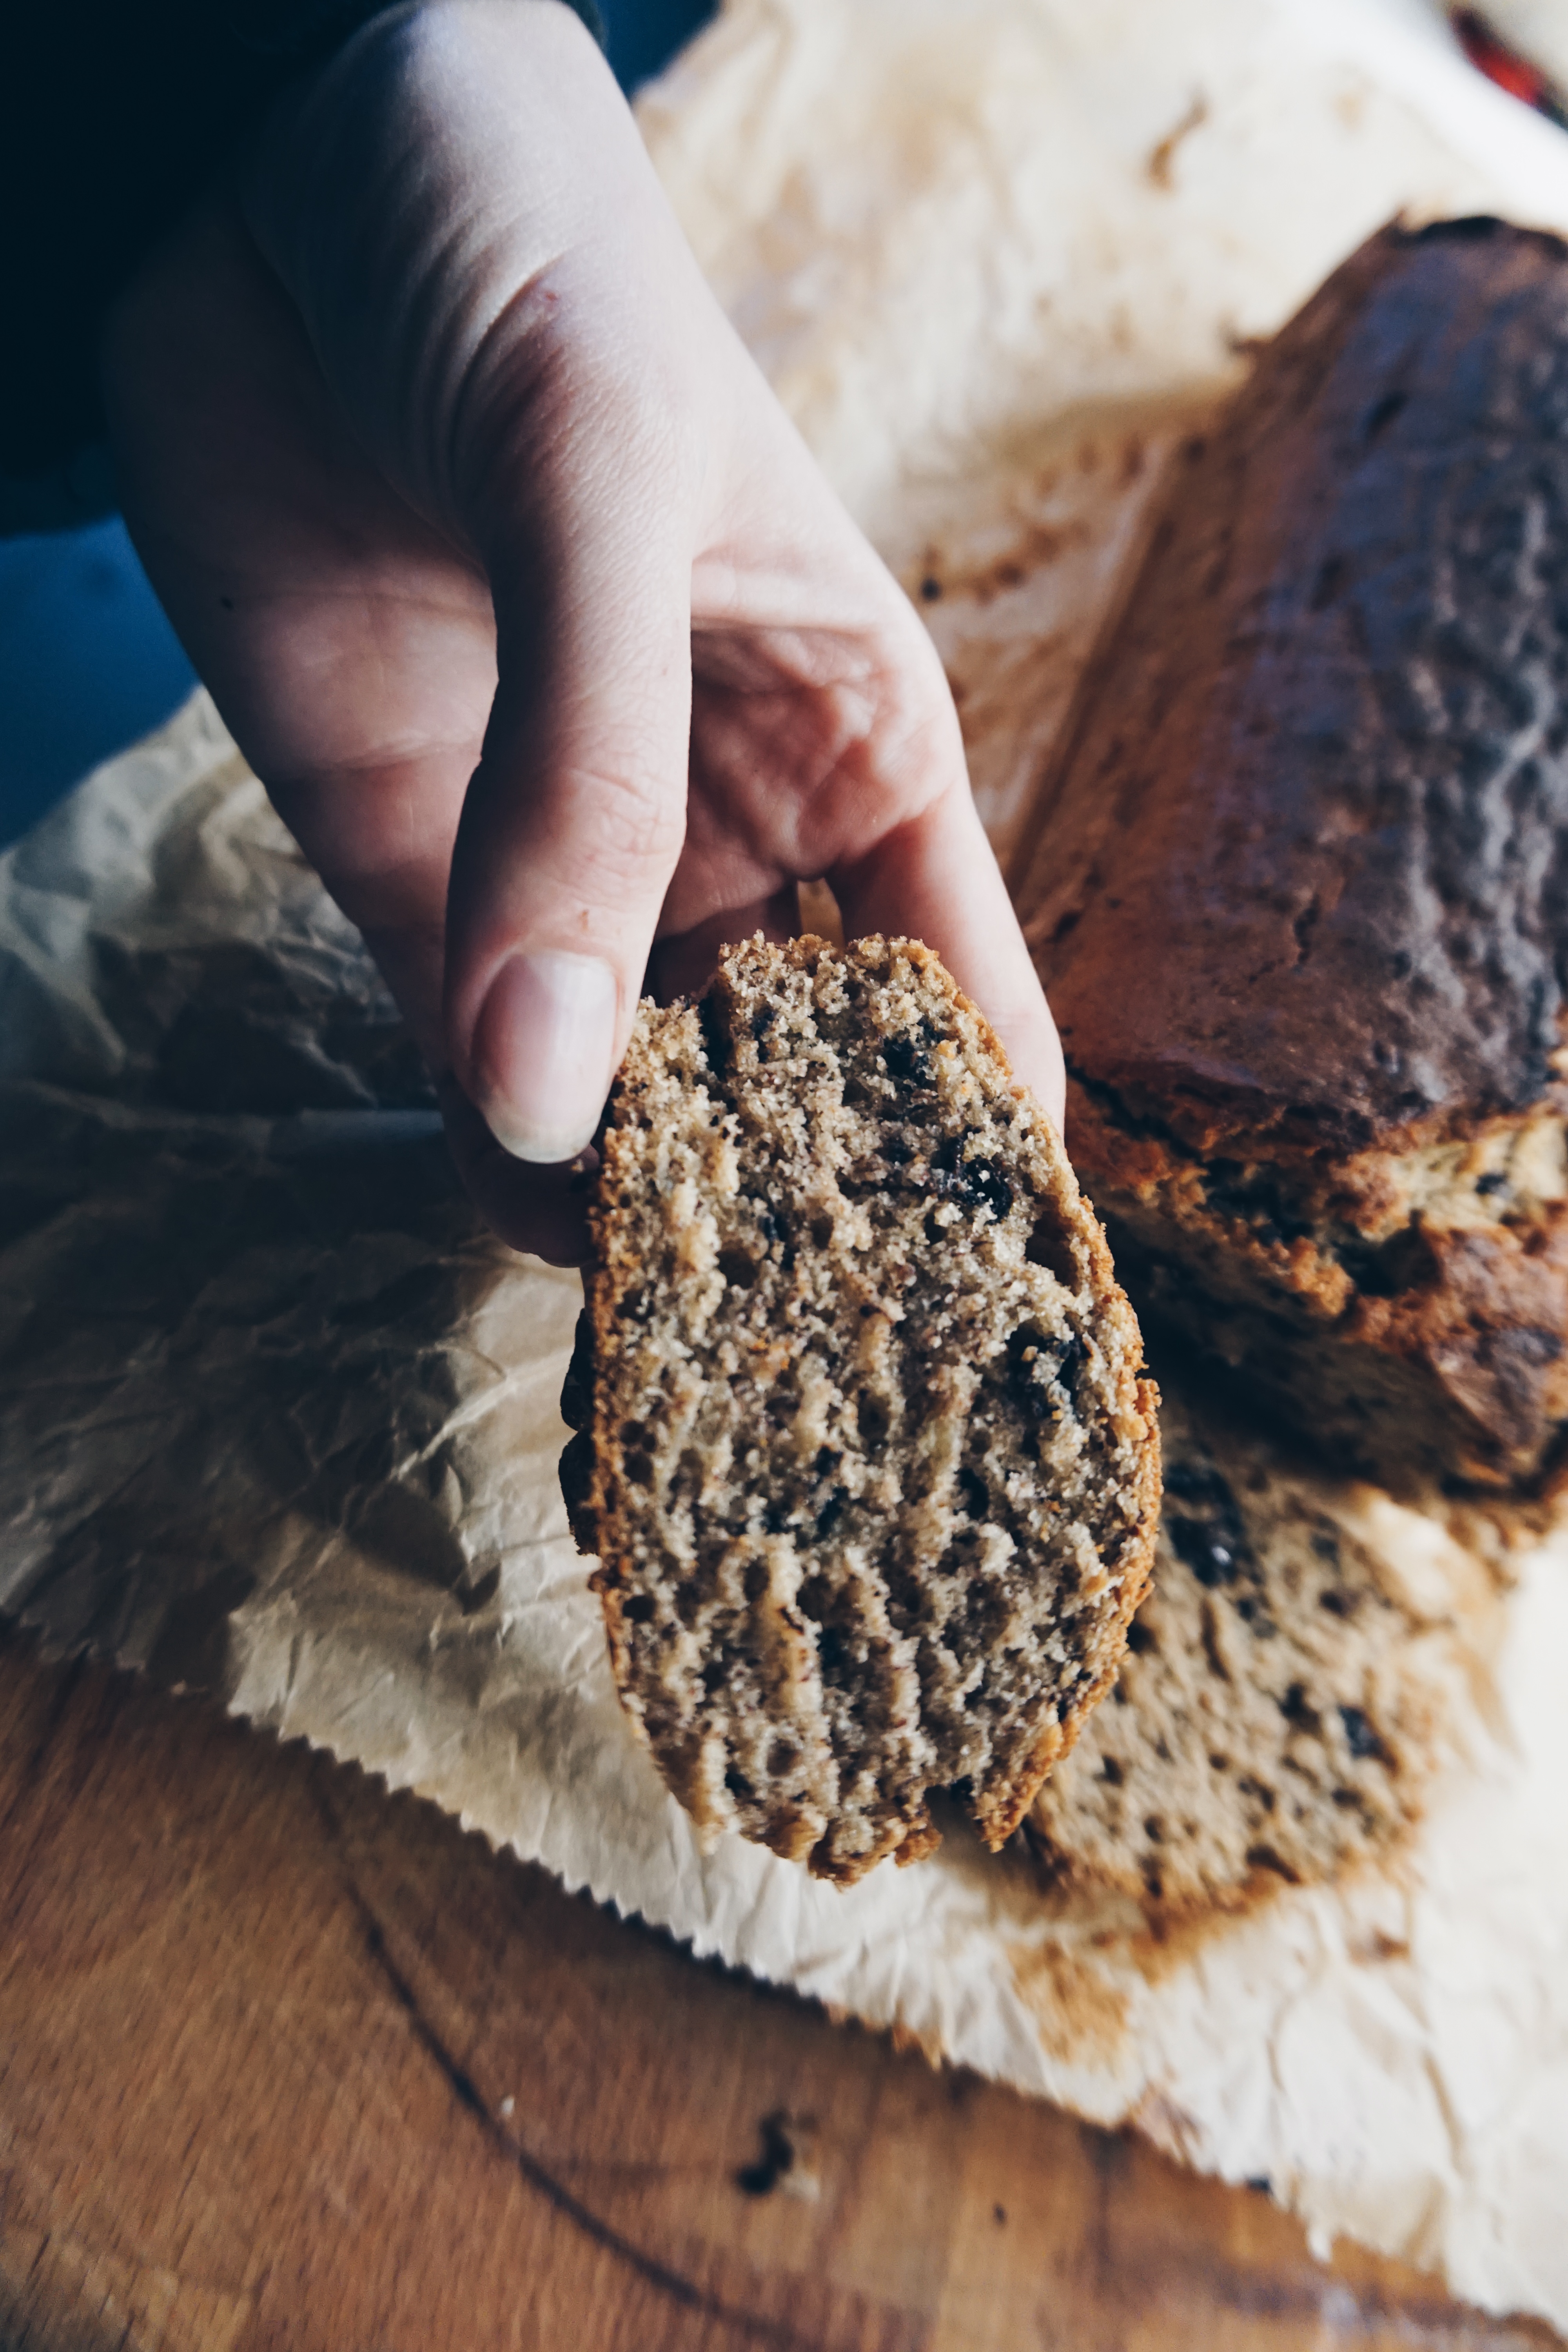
column 573, row 821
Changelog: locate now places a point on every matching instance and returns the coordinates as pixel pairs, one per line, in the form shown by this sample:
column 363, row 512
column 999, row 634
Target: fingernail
column 542, row 1054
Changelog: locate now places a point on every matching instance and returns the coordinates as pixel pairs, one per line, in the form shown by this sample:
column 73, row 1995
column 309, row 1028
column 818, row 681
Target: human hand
column 518, row 589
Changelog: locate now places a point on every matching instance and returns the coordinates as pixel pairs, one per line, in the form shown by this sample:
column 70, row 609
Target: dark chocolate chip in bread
column 863, row 1447
column 1298, row 877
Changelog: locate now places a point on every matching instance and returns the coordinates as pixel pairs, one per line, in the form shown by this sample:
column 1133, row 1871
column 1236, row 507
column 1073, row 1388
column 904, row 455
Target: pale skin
column 519, row 590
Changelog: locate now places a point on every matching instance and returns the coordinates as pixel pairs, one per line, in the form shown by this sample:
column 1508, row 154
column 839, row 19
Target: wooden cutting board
column 287, row 2062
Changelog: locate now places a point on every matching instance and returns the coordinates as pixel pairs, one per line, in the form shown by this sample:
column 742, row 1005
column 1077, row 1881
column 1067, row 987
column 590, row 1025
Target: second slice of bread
column 1288, row 1695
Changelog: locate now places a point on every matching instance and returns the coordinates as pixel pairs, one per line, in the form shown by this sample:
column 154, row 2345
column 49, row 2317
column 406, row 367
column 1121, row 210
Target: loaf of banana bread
column 863, row 1448
column 1297, row 880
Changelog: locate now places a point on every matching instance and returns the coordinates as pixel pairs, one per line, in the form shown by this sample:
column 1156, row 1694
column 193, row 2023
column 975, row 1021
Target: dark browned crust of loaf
column 1298, row 880
column 591, row 1466
column 1306, row 799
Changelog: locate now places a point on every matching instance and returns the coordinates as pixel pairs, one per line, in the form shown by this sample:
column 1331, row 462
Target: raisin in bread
column 864, row 1452
column 1288, row 1694
column 1298, row 883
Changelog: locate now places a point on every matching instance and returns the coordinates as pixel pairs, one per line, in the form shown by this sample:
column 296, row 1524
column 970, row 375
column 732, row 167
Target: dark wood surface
column 284, row 2062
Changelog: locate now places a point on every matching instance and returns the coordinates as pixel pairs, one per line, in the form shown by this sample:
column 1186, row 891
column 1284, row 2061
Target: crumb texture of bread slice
column 863, row 1451
column 1280, row 1712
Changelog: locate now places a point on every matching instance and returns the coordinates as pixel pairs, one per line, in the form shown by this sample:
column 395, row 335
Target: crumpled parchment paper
column 278, row 1421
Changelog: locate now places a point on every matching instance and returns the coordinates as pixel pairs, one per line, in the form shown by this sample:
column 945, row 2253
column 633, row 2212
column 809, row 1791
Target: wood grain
column 287, row 2062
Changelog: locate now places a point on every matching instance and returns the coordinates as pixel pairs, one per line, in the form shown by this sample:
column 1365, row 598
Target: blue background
column 87, row 662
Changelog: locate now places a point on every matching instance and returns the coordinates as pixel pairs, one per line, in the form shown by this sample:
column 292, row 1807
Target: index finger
column 935, row 878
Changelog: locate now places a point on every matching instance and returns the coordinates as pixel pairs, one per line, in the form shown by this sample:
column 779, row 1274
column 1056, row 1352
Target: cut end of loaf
column 1282, row 1707
column 863, row 1448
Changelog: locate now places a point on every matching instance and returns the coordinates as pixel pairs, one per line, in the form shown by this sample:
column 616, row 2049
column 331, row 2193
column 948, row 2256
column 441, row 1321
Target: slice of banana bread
column 863, row 1451
column 1298, row 877
column 1286, row 1696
